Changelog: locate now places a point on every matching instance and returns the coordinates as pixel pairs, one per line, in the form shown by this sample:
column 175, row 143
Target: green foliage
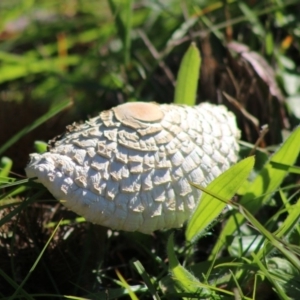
column 224, row 187
column 188, row 76
column 123, row 18
column 40, row 146
column 19, row 288
column 184, row 281
column 5, row 166
column 141, row 270
column 255, row 247
column 263, row 186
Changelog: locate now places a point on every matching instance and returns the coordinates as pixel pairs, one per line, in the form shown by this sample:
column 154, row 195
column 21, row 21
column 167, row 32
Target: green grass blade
column 40, row 146
column 188, row 75
column 182, row 31
column 111, row 293
column 263, row 186
column 183, row 279
column 273, row 240
column 13, row 183
column 270, row 178
column 278, row 288
column 125, row 284
column 290, row 222
column 24, row 294
column 281, row 166
column 185, row 282
column 10, row 72
column 224, row 186
column 52, row 112
column 13, row 192
column 9, row 216
column 118, row 21
column 252, row 16
column 239, row 292
column 127, row 24
column 36, row 262
column 141, row 270
column 5, row 166
column 123, row 21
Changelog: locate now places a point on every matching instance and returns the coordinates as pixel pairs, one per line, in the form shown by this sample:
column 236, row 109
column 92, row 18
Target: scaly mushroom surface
column 130, row 167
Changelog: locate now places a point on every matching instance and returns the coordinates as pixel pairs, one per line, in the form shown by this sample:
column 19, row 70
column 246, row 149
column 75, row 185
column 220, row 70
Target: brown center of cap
column 133, row 114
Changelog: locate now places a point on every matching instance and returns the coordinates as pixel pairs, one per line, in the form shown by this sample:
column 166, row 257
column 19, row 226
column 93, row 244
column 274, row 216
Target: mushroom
column 130, row 168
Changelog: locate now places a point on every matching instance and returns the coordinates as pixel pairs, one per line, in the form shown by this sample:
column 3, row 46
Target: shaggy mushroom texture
column 130, row 167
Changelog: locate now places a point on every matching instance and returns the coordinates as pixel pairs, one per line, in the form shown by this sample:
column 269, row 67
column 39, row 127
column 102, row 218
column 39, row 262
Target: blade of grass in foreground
column 114, row 293
column 8, row 195
column 5, row 166
column 13, row 183
column 290, row 169
column 18, row 209
column 290, row 222
column 184, row 280
column 187, row 283
column 22, row 293
column 270, row 237
column 125, row 284
column 52, row 112
column 141, row 270
column 273, row 240
column 225, row 186
column 263, row 186
column 188, row 75
column 40, row 146
column 266, row 273
column 35, row 263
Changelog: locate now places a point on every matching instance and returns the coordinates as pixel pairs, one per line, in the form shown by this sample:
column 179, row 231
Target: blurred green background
column 97, row 54
column 66, row 60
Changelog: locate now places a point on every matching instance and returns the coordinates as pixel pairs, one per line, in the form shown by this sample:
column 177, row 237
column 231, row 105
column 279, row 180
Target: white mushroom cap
column 130, row 167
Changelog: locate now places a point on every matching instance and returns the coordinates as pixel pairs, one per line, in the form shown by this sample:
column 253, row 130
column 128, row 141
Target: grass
column 62, row 61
